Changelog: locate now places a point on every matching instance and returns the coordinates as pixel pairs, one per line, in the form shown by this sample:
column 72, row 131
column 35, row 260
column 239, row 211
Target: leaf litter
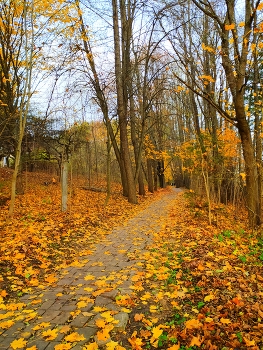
column 197, row 286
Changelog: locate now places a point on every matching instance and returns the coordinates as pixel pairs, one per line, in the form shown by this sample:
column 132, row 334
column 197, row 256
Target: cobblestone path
column 72, row 304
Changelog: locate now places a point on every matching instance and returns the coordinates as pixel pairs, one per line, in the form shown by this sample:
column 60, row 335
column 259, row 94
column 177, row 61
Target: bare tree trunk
column 121, row 74
column 64, row 185
column 25, row 99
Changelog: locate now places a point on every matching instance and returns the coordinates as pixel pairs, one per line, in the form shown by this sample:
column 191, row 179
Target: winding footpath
column 75, row 301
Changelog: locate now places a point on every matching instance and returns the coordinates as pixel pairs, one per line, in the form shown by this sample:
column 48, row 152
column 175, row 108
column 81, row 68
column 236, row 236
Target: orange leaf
column 66, row 346
column 175, row 347
column 138, row 317
column 249, row 342
column 191, row 324
column 195, row 341
column 100, row 323
column 103, row 335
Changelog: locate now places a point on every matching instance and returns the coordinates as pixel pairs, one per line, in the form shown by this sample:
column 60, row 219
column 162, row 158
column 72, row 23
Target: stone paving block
column 111, row 294
column 123, row 318
column 47, row 304
column 5, row 343
column 69, row 307
column 14, row 330
column 61, row 318
column 51, row 346
column 80, row 321
column 57, row 305
column 40, row 344
column 101, row 301
column 49, row 315
column 92, row 323
column 65, row 281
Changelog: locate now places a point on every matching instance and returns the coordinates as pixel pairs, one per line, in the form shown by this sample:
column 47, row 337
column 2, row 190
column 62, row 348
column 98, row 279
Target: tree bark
column 121, row 74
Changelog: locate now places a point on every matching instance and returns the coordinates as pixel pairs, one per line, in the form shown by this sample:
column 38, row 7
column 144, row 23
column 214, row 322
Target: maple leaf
column 50, row 334
column 249, row 342
column 225, row 320
column 65, row 329
column 191, row 324
column 6, row 324
column 195, row 341
column 156, row 332
column 100, row 323
column 135, row 342
column 138, row 317
column 74, row 337
column 3, row 293
column 66, row 346
column 111, row 345
column 82, row 304
column 51, row 278
column 32, row 348
column 103, row 335
column 91, row 346
column 174, row 347
column 89, row 278
column 41, row 326
column 209, row 297
column 18, row 343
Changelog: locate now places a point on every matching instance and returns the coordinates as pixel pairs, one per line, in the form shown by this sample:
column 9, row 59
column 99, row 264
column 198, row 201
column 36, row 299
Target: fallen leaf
column 75, row 336
column 18, row 343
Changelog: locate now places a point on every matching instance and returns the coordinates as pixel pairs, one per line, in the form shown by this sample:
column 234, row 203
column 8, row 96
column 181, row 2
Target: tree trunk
column 64, row 185
column 121, row 74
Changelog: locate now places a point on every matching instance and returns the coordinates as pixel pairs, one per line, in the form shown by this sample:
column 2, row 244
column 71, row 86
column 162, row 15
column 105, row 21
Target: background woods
column 143, row 93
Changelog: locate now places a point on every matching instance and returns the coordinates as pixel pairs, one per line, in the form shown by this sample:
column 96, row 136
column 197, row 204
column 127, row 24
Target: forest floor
column 150, row 276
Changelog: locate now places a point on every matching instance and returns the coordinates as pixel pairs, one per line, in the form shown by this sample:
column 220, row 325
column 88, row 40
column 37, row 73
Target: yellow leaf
column 89, row 278
column 74, row 337
column 260, row 6
column 32, row 348
column 156, row 332
column 209, row 298
column 50, row 334
column 18, row 343
column 41, row 326
column 99, row 309
column 81, row 304
column 66, row 346
column 6, row 324
column 111, row 345
column 153, row 308
column 225, row 320
column 124, row 309
column 91, row 346
column 241, row 24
